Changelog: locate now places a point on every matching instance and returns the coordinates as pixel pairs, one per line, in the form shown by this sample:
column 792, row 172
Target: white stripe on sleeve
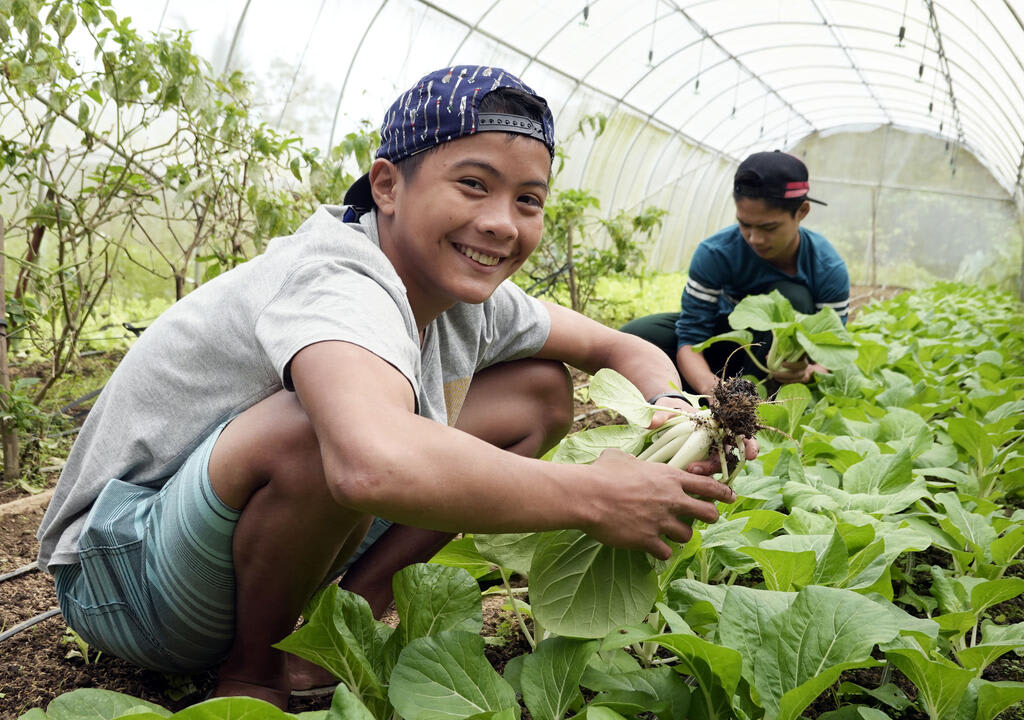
column 841, row 308
column 702, row 293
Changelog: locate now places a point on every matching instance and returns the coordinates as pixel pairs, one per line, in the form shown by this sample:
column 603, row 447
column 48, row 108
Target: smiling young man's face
column 464, row 220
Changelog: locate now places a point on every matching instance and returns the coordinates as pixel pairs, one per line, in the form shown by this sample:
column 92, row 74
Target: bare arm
column 381, row 458
column 588, row 345
column 695, row 369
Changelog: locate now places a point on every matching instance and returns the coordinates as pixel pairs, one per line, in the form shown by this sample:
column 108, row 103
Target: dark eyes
column 527, row 199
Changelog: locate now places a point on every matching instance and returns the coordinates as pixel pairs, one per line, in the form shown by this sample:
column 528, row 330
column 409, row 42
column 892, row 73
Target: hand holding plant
column 800, row 371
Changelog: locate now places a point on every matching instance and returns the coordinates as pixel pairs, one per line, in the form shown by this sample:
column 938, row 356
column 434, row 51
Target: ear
column 802, row 212
column 384, row 179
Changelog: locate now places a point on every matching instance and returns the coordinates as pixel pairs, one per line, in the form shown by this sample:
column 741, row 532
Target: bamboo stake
column 10, row 434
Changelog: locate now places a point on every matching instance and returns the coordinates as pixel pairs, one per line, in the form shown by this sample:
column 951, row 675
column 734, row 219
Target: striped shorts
column 156, row 582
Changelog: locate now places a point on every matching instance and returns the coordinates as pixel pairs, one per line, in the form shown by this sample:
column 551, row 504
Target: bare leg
column 267, row 461
column 292, row 533
column 524, row 407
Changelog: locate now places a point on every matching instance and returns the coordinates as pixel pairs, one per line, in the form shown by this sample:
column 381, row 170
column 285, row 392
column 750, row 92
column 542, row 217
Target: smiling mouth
column 483, row 259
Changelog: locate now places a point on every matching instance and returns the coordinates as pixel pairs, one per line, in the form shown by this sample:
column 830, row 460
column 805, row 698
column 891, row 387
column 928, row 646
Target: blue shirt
column 724, row 270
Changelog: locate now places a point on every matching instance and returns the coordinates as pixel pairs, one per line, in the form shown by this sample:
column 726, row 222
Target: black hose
column 29, row 623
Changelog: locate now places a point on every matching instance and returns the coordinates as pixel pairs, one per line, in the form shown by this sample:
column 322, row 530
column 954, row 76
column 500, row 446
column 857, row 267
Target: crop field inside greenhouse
column 606, row 360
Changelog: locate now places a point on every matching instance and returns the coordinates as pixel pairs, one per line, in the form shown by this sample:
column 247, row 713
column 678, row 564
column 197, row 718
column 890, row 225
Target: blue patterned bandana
column 443, row 106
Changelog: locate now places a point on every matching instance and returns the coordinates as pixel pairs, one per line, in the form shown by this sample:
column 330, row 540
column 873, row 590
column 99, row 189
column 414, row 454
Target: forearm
column 428, row 475
column 695, row 370
column 589, row 346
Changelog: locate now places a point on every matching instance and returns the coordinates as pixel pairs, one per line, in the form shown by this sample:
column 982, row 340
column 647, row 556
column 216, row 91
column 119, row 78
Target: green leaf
column 581, row 588
column 101, row 705
column 551, row 676
column 609, row 389
column 783, row 570
column 341, row 636
column 447, row 675
column 225, row 707
column 512, row 551
column 825, row 339
column 716, row 670
column 940, row 684
column 462, row 553
column 854, row 712
column 1006, row 549
column 983, row 595
column 586, row 446
column 598, row 712
column 994, row 697
column 762, row 312
column 740, row 337
column 825, row 628
column 970, row 435
column 433, row 598
column 974, row 529
column 346, row 706
column 795, row 399
column 996, row 641
column 744, row 617
column 793, row 702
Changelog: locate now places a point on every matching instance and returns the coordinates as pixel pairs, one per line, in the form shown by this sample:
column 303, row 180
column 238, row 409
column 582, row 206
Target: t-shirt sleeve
column 701, row 294
column 331, row 300
column 514, row 325
column 833, row 290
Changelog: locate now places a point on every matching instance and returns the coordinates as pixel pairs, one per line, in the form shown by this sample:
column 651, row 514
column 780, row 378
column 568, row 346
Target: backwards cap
column 775, row 175
column 444, row 106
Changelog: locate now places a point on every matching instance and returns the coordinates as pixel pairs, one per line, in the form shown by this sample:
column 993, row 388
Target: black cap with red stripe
column 775, row 174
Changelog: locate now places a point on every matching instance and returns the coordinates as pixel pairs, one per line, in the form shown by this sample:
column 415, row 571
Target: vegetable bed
column 870, row 567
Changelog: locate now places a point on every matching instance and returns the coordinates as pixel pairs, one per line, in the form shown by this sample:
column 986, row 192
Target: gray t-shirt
column 227, row 345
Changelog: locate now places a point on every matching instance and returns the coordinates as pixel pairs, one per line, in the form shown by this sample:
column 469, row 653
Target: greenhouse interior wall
column 904, row 208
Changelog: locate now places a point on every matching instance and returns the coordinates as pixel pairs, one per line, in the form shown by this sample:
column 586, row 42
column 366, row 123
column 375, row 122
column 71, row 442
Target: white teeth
column 478, row 256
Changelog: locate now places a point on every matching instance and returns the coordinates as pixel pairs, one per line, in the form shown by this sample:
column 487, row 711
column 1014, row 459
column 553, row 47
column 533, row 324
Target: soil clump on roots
column 733, row 406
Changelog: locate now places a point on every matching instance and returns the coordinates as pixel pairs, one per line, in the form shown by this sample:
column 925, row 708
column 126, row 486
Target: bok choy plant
column 691, row 435
column 795, row 336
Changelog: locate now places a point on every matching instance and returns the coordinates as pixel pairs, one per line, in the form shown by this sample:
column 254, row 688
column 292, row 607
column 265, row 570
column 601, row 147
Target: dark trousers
column 724, row 358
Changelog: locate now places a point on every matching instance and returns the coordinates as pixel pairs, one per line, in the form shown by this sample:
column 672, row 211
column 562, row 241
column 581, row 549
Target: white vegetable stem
column 688, row 438
column 683, row 440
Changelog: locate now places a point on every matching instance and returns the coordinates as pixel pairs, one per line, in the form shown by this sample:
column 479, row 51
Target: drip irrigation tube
column 29, row 623
column 20, row 571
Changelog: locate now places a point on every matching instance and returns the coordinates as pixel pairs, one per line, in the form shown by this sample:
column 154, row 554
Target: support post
column 12, row 469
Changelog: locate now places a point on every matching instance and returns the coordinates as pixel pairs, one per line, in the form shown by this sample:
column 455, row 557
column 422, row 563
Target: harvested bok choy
column 688, row 437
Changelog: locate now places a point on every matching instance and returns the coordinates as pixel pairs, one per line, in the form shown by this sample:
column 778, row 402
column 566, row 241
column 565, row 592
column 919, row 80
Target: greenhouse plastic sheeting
column 909, row 114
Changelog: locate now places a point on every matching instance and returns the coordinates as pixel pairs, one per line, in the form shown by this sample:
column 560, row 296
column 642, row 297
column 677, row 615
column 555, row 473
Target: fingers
column 751, row 448
column 660, row 549
column 660, row 418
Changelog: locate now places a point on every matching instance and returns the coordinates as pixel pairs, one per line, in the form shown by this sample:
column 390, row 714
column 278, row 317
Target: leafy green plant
column 81, row 647
column 860, row 543
column 795, row 336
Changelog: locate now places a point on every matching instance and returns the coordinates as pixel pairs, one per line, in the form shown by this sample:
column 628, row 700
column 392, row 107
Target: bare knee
column 272, row 440
column 551, row 386
column 524, row 406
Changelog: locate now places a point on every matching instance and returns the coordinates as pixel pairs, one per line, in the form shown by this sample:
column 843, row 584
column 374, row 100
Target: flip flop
column 319, row 691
